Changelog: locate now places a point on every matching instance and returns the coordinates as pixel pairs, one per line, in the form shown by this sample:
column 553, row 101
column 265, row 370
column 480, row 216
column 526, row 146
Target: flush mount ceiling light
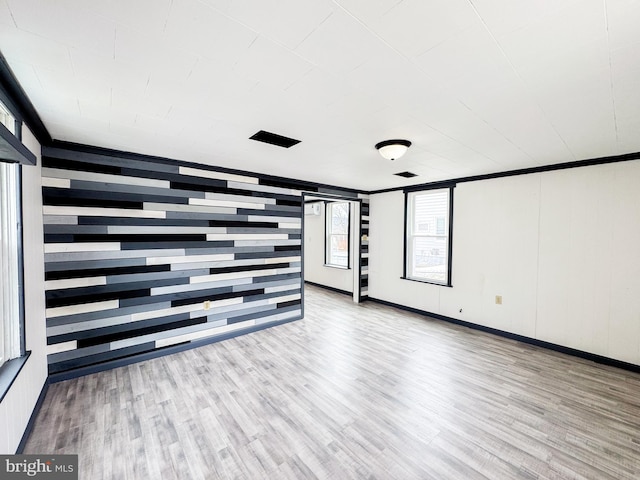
column 393, row 149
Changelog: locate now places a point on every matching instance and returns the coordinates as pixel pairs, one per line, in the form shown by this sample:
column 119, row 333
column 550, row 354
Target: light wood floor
column 350, row 392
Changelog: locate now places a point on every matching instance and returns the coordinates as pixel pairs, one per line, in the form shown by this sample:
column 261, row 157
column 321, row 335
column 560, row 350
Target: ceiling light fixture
column 393, row 149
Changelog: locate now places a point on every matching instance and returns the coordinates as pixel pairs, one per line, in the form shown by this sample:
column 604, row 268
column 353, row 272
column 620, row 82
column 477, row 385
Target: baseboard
column 521, row 338
column 32, row 418
column 141, row 357
column 327, row 287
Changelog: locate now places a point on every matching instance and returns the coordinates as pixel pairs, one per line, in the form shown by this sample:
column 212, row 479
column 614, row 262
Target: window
column 10, row 248
column 9, row 263
column 337, row 234
column 428, row 236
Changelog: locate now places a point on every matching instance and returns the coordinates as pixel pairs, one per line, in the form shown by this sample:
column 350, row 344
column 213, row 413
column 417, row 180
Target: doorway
column 331, row 242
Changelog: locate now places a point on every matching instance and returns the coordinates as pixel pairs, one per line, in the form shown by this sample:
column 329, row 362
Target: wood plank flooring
column 350, row 392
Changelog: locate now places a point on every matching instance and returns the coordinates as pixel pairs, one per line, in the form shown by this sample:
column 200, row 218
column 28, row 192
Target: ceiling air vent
column 406, row 174
column 274, row 139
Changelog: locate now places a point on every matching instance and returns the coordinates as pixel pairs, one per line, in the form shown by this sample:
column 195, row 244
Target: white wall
column 314, row 268
column 18, row 404
column 562, row 248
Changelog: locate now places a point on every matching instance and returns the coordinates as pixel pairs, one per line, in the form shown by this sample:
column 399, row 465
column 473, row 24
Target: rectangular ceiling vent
column 274, row 139
column 406, row 174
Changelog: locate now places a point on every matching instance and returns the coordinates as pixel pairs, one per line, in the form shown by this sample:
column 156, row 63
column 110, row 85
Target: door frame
column 357, row 237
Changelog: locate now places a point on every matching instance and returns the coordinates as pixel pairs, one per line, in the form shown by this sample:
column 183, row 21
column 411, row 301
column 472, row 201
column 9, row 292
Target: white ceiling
column 478, row 86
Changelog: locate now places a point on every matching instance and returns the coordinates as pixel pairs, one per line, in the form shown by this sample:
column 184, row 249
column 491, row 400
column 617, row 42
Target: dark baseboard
column 32, row 418
column 520, row 338
column 141, row 357
column 327, row 287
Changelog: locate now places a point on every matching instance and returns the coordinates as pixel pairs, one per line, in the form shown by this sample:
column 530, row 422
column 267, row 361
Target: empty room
column 320, row 239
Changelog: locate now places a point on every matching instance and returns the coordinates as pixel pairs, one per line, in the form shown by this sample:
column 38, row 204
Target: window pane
column 430, row 258
column 431, row 210
column 339, row 250
column 337, row 234
column 339, row 218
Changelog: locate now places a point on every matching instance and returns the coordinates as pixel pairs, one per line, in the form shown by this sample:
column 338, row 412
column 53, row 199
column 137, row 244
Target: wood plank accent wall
column 364, row 249
column 142, row 254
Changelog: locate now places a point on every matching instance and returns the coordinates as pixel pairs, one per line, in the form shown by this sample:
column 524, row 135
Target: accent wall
column 145, row 256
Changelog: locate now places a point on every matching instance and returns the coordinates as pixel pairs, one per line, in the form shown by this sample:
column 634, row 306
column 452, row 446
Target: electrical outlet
column 207, row 304
column 498, row 299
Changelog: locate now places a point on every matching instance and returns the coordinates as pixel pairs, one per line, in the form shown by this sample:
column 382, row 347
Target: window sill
column 339, row 267
column 9, row 372
column 427, row 282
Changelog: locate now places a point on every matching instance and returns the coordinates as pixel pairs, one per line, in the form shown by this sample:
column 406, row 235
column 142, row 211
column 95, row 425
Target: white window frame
column 412, row 234
column 329, row 234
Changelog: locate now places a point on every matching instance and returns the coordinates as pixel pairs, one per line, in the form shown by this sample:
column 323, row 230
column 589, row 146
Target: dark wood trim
column 450, row 239
column 409, row 279
column 12, row 150
column 25, row 109
column 632, row 367
column 327, row 287
column 627, row 157
column 405, row 253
